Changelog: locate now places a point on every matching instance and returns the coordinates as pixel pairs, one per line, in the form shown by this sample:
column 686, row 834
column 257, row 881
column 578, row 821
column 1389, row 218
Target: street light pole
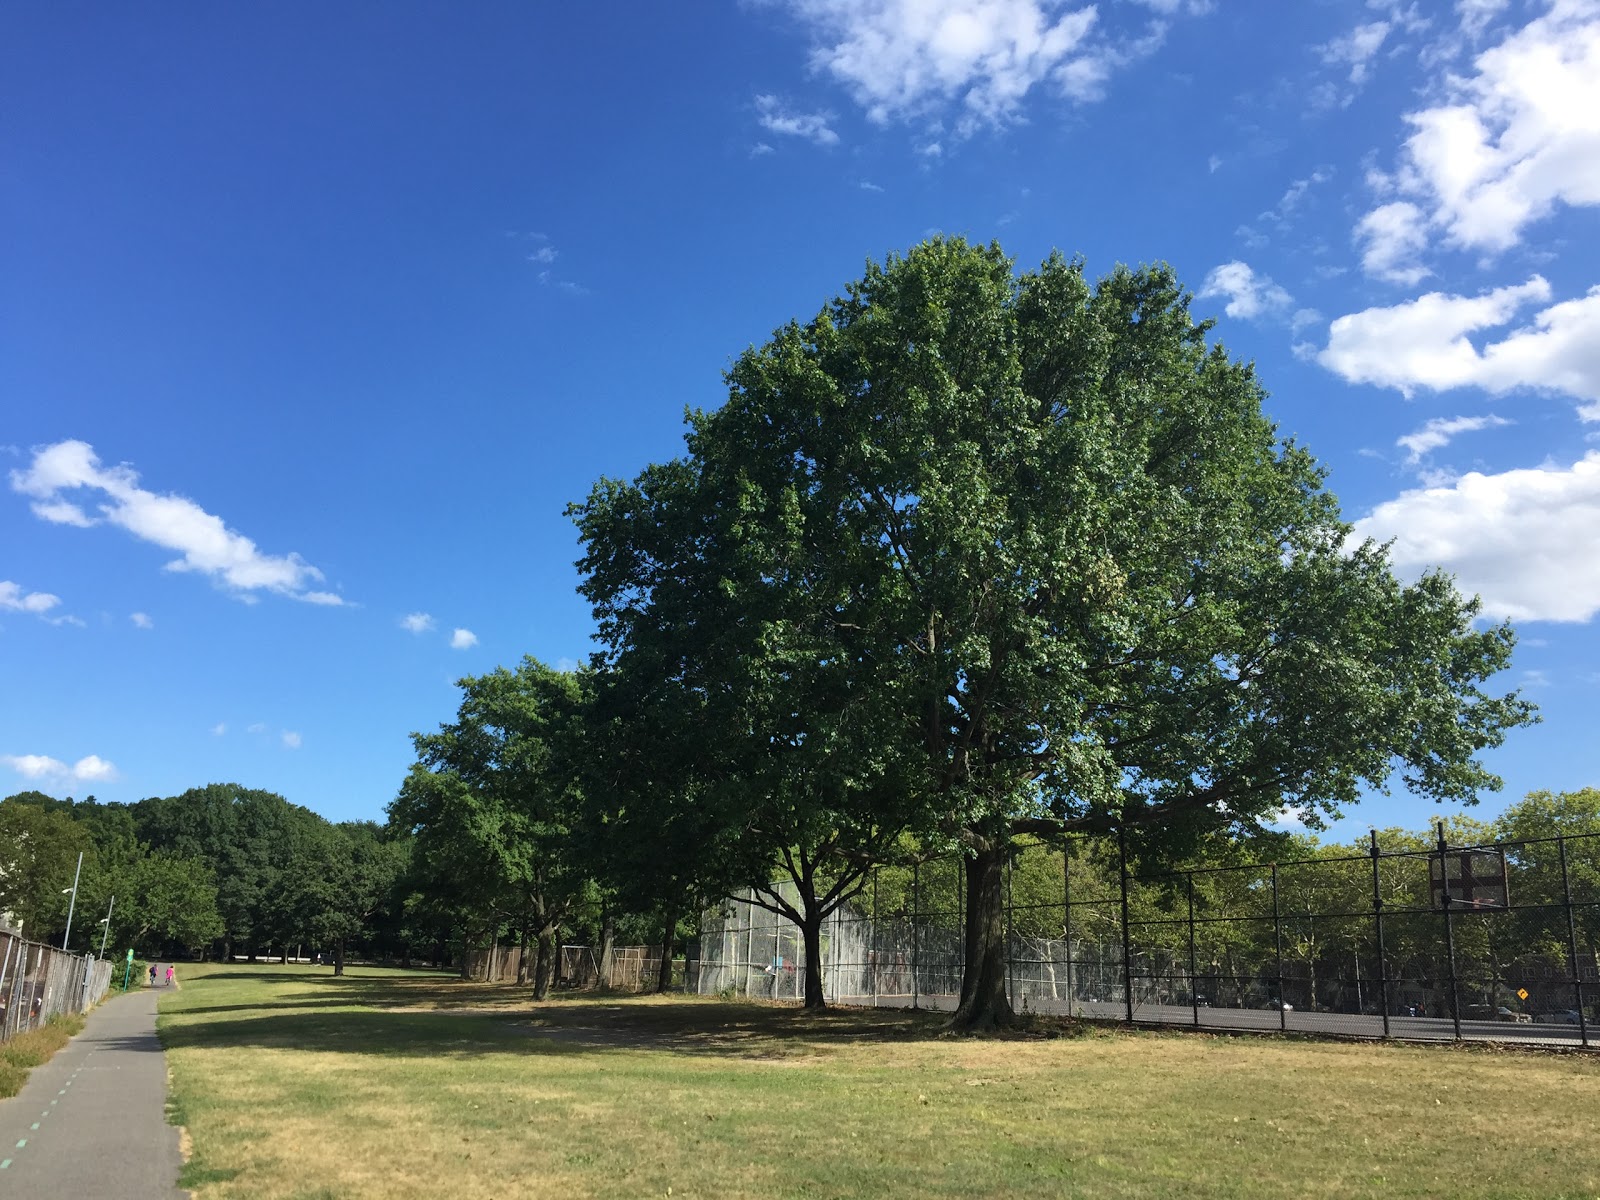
column 72, row 907
column 107, row 924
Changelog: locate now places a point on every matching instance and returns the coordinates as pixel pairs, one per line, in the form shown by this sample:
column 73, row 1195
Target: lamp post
column 106, row 921
column 72, row 907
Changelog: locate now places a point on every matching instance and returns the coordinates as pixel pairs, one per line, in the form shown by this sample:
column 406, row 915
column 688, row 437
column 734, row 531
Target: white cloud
column 291, row 739
column 1249, row 295
column 258, row 727
column 94, row 767
column 417, row 622
column 867, row 185
column 91, row 768
column 1477, row 14
column 1356, row 49
column 1213, row 164
column 1423, row 343
column 1515, row 137
column 220, row 728
column 463, row 639
column 761, row 148
column 1395, row 235
column 34, row 766
column 1441, row 430
column 1527, row 541
column 206, row 545
column 775, row 117
column 903, row 58
column 141, row 620
column 14, row 599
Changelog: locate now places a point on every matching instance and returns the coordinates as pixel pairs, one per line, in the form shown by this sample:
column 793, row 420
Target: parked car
column 1510, row 1014
column 1560, row 1016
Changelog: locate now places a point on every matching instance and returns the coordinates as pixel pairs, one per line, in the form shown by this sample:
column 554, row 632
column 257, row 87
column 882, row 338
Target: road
column 92, row 1120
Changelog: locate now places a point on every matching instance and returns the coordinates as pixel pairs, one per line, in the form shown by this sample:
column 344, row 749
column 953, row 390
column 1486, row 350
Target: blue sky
column 313, row 319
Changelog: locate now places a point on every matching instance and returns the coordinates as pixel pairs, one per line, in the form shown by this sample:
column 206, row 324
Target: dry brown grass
column 297, row 1086
column 22, row 1053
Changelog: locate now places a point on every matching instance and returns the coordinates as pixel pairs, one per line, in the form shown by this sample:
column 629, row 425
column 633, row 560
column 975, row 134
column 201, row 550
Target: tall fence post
column 872, row 940
column 1127, row 944
column 1066, row 917
column 1572, row 944
column 1011, row 950
column 916, row 904
column 1194, row 992
column 1377, row 924
column 1277, row 941
column 5, row 1009
column 1449, row 933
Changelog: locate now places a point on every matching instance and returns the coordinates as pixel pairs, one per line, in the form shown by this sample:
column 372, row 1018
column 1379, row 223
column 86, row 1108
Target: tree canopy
column 1028, row 549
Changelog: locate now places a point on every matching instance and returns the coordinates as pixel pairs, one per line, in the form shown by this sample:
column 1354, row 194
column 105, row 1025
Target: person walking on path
column 170, row 975
column 91, row 1121
column 152, row 974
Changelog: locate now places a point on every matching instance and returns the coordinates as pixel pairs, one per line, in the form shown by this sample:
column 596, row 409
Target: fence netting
column 37, row 982
column 1425, row 941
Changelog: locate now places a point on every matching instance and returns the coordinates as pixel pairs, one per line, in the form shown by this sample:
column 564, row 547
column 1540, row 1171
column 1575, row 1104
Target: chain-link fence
column 36, row 982
column 1419, row 941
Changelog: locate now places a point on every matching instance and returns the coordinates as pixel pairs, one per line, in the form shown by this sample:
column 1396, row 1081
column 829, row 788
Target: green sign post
column 127, row 971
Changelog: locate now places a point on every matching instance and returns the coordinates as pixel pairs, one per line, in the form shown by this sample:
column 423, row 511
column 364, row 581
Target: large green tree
column 1039, row 535
column 493, row 800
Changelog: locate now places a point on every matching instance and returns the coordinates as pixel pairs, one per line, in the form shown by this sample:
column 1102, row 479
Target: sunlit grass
column 20, row 1054
column 294, row 1084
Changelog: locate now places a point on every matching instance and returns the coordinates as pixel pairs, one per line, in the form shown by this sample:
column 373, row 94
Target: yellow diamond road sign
column 1522, row 993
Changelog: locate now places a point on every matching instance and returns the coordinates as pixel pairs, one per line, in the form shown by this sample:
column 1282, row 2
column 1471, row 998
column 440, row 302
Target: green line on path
column 22, row 1143
column 4, row 1164
column 36, row 1124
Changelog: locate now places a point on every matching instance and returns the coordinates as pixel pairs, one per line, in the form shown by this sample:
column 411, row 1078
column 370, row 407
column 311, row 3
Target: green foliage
column 974, row 554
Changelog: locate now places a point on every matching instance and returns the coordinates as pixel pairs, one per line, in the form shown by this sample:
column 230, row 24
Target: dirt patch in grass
column 290, row 1089
column 22, row 1053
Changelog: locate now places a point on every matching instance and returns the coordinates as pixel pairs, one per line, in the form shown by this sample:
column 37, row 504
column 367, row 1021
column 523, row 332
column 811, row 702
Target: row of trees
column 220, row 868
column 969, row 557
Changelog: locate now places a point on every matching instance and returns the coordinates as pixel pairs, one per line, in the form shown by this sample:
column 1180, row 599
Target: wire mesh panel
column 1411, row 940
column 37, row 982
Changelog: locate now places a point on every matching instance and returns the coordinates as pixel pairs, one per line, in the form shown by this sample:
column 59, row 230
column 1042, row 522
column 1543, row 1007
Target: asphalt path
column 1421, row 1029
column 92, row 1120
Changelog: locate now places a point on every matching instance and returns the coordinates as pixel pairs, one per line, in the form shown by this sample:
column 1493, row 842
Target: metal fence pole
column 872, row 940
column 1449, row 933
column 1127, row 951
column 1572, row 943
column 1066, row 917
column 1011, row 953
column 916, row 902
column 1194, row 992
column 1277, row 938
column 1377, row 923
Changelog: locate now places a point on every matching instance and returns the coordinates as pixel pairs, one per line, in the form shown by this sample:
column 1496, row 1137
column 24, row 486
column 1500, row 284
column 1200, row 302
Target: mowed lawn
column 382, row 1084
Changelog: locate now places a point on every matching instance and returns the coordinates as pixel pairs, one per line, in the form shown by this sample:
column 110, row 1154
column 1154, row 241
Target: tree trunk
column 338, row 957
column 664, row 976
column 983, row 977
column 524, row 944
column 544, row 975
column 811, row 934
column 608, row 948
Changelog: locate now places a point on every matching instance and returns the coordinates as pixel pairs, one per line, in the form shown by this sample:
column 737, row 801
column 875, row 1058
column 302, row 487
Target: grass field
column 20, row 1054
column 295, row 1084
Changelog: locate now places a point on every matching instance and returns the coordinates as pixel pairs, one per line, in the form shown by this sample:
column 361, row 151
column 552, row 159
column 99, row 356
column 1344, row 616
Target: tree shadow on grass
column 733, row 1030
